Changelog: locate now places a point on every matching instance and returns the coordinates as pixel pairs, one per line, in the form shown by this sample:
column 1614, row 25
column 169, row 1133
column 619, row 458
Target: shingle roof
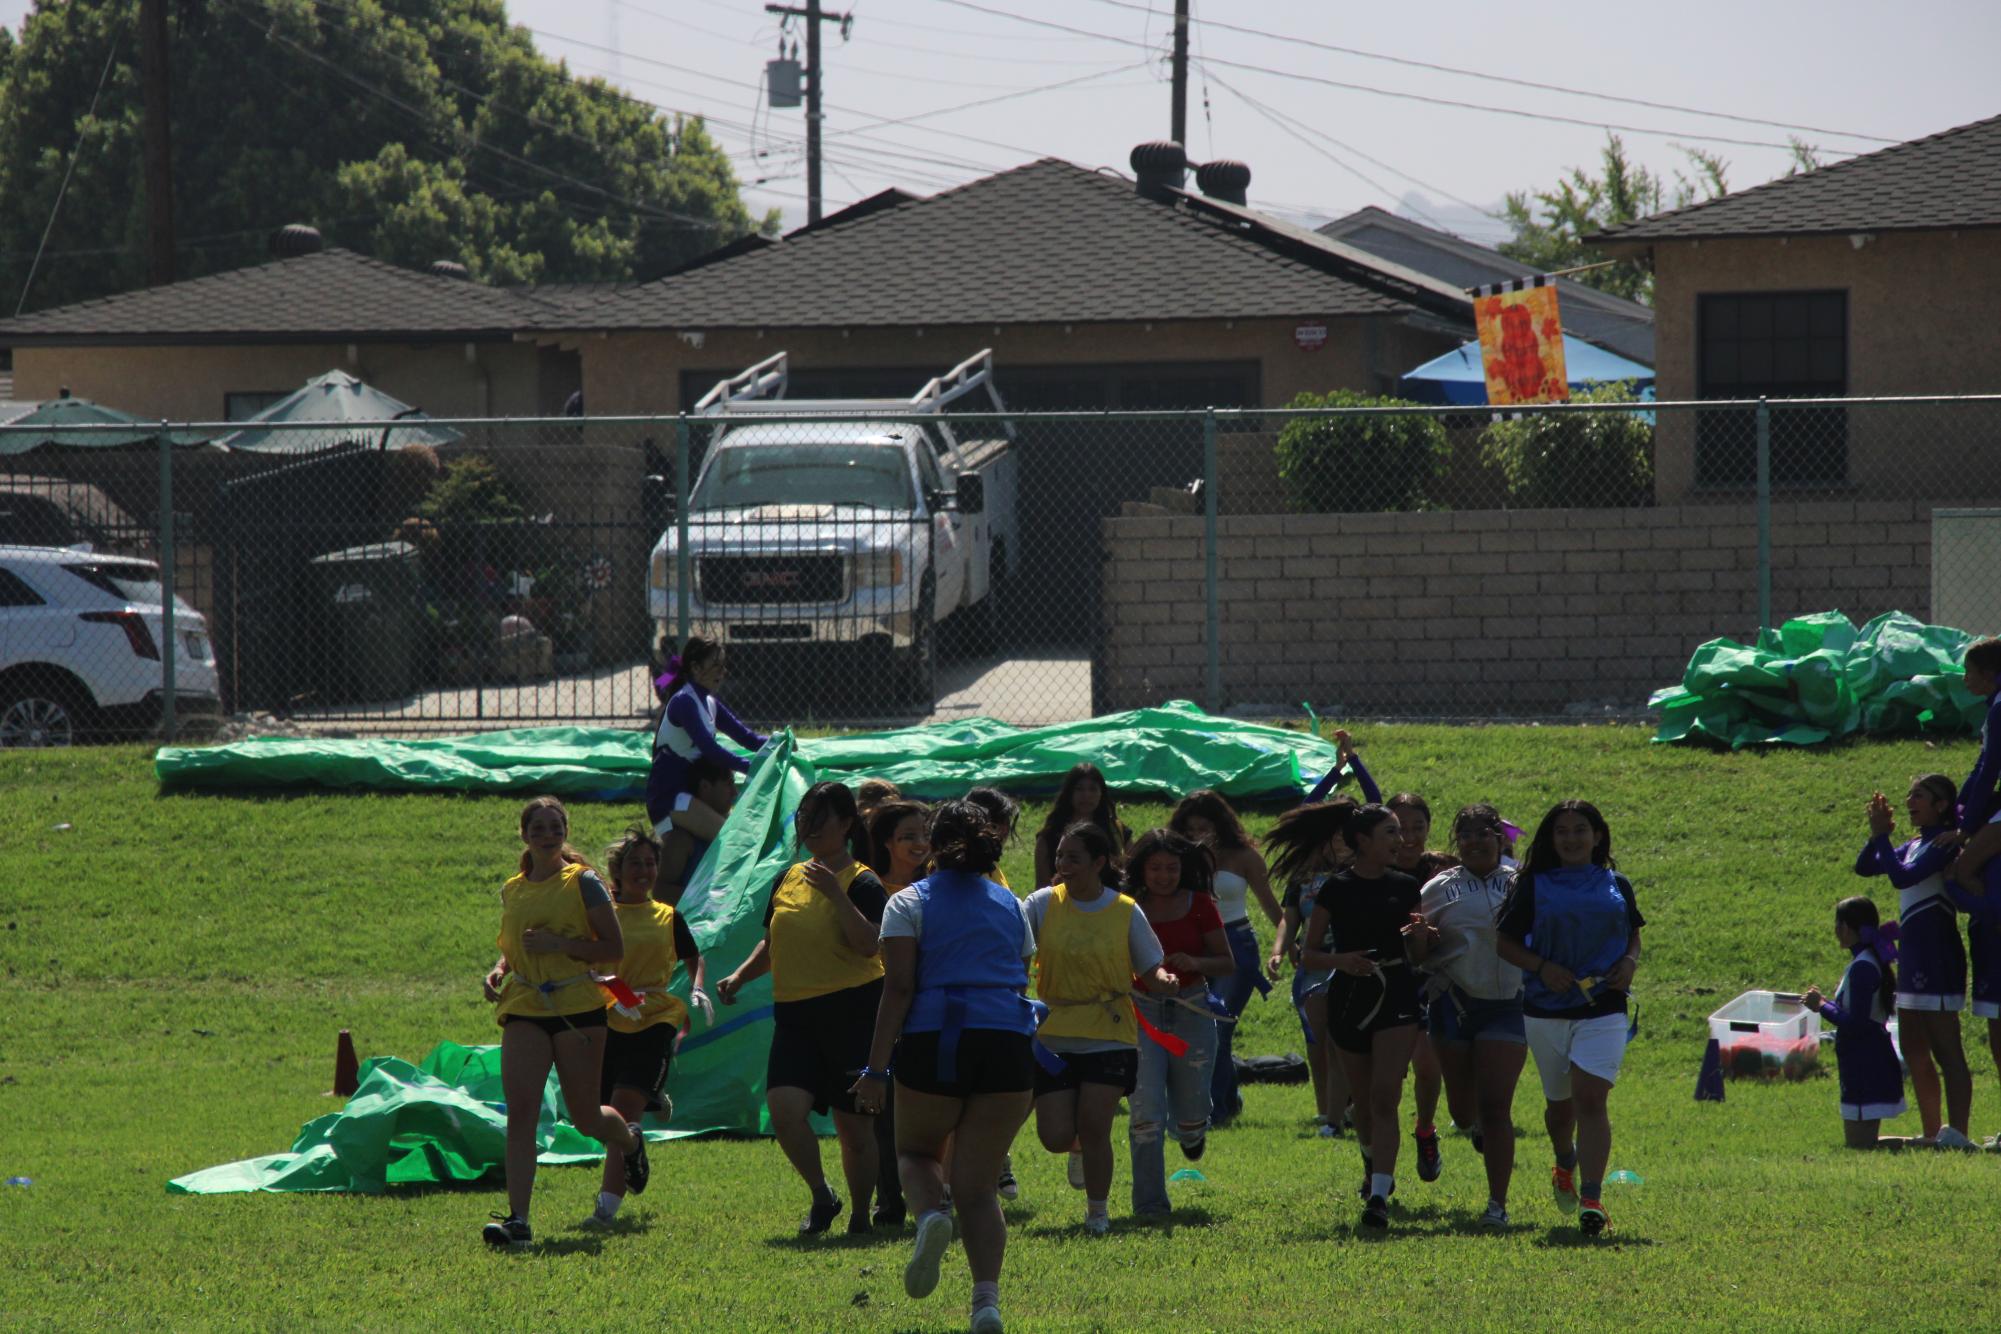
column 1945, row 180
column 1046, row 243
column 332, row 295
column 1623, row 326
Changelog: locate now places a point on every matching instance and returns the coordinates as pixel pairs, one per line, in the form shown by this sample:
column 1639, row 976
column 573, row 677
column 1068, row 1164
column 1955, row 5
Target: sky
column 928, row 94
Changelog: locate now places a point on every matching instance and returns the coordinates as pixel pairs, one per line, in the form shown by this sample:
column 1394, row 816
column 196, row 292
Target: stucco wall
column 188, row 383
column 1920, row 321
column 641, row 372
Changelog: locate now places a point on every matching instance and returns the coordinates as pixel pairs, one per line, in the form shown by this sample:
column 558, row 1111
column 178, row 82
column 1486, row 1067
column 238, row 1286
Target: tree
column 412, row 130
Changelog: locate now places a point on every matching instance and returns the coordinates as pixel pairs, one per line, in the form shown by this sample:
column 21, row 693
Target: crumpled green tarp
column 1175, row 748
column 1818, row 677
column 445, row 1120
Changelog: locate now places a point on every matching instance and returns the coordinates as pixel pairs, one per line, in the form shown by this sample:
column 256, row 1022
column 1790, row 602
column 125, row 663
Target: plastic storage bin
column 1766, row 1034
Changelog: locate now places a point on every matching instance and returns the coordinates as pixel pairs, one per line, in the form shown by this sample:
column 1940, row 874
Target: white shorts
column 1595, row 1046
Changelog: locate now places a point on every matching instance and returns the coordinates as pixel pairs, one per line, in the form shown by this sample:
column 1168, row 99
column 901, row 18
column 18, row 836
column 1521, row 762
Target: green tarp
column 444, row 1120
column 1818, row 677
column 1175, row 748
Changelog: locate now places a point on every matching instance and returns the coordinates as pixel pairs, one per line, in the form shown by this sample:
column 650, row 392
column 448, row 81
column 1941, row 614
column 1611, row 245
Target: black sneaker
column 1429, row 1164
column 1376, row 1214
column 637, row 1169
column 821, row 1216
column 1193, row 1152
column 889, row 1216
column 506, row 1233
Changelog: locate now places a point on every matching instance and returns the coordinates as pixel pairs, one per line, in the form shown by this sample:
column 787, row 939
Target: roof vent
column 1225, row 180
column 294, row 240
column 450, row 268
column 1159, row 166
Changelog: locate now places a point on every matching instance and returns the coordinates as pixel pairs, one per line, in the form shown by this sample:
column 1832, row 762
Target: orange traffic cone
column 347, row 1069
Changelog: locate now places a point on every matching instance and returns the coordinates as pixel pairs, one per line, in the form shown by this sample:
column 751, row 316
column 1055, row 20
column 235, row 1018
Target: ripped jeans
column 1172, row 1093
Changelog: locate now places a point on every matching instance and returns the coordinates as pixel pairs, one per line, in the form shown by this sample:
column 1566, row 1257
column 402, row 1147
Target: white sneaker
column 1076, row 1170
column 934, row 1234
column 1097, row 1224
column 987, row 1320
column 1992, row 1144
column 1950, row 1138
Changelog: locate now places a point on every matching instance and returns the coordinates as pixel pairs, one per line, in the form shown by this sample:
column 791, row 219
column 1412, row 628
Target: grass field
column 176, row 969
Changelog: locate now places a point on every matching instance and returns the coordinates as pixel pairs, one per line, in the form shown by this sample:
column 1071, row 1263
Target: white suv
column 80, row 648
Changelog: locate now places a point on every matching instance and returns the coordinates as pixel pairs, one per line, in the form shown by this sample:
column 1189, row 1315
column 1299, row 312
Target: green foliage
column 1359, row 463
column 1564, row 460
column 470, row 491
column 411, row 130
column 163, row 1019
column 1549, row 225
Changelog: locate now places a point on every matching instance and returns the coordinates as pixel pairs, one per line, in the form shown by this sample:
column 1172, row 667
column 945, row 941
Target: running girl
column 956, row 948
column 688, row 723
column 1872, row 1087
column 1373, row 1010
column 555, row 922
column 639, row 1049
column 1572, row 924
column 1476, row 996
column 1206, row 818
column 821, row 948
column 900, row 839
column 1307, row 848
column 1171, row 1087
column 1083, row 796
column 1428, row 1078
column 1931, row 990
column 1092, row 942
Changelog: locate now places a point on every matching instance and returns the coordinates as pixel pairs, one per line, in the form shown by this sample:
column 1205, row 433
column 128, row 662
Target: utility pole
column 1180, row 134
column 156, row 147
column 814, row 17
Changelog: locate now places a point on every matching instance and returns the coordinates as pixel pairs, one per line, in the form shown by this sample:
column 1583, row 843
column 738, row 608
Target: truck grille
column 745, row 580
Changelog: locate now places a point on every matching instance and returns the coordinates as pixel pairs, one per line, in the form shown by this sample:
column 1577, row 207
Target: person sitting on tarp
column 688, row 725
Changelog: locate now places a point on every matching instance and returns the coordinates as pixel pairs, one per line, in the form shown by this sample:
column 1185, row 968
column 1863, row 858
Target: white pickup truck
column 845, row 525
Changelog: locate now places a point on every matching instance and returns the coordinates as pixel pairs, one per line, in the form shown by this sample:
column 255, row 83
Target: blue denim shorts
column 1459, row 1018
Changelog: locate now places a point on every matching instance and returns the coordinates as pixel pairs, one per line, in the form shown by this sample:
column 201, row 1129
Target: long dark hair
column 1301, row 834
column 999, row 806
column 1542, row 850
column 683, row 664
column 1364, row 820
column 882, row 823
column 1106, row 817
column 963, row 838
column 824, row 801
column 1209, row 804
column 1859, row 915
column 1197, row 870
column 1099, row 845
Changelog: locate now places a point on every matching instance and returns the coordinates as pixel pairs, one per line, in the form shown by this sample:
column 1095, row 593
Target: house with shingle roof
column 223, row 346
column 1091, row 292
column 1877, row 276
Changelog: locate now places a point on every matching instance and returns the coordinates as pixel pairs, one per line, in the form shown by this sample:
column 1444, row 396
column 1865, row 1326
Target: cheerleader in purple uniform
column 1983, row 948
column 1872, row 1088
column 1932, row 990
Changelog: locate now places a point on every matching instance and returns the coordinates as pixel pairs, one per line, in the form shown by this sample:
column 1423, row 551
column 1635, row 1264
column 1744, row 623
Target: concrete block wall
column 1480, row 612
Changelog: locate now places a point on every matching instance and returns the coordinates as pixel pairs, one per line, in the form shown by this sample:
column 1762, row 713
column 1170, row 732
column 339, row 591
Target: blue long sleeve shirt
column 1859, row 998
column 690, row 715
column 1917, row 861
column 1370, row 792
column 1976, row 794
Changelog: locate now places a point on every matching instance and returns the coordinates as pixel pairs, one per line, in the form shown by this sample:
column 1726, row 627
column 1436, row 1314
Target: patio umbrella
column 1458, row 379
column 345, row 411
column 78, row 423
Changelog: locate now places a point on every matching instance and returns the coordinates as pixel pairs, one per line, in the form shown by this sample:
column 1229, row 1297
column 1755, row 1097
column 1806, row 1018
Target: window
column 1772, row 345
column 14, row 591
column 242, row 406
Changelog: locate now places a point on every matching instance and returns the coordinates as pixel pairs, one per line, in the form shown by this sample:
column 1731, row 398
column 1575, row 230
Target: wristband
column 867, row 1073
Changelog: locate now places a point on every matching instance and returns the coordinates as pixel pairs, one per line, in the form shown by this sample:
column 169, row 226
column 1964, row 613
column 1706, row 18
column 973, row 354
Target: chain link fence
column 880, row 567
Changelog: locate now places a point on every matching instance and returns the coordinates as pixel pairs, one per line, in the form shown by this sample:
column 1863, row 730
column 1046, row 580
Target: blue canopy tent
column 1457, row 379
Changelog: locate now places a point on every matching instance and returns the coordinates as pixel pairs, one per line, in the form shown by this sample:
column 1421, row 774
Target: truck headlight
column 878, row 569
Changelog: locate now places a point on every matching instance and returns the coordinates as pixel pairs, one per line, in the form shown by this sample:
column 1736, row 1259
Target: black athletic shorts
column 638, row 1061
column 1116, row 1069
column 1350, row 999
column 821, row 1044
column 991, row 1060
column 557, row 1025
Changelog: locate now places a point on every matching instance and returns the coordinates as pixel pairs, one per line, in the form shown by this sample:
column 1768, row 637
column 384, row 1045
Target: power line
column 82, row 132
column 1390, row 92
column 1490, row 77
